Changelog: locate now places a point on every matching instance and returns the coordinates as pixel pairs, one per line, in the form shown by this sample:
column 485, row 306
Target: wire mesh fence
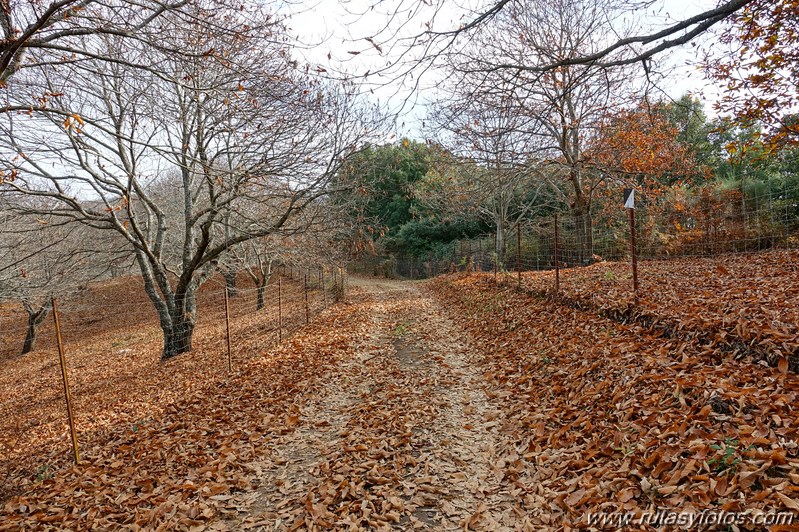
column 727, row 275
column 683, row 223
column 112, row 345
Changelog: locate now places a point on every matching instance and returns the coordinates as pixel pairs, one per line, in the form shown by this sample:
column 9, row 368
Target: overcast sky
column 333, row 29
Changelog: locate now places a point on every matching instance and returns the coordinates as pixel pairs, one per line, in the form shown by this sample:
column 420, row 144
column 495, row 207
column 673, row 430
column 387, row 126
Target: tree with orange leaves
column 761, row 70
column 639, row 147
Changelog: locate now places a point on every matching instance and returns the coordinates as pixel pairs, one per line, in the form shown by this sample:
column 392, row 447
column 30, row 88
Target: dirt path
column 401, row 436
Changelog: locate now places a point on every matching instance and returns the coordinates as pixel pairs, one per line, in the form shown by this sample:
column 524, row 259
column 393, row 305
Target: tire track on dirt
column 402, row 435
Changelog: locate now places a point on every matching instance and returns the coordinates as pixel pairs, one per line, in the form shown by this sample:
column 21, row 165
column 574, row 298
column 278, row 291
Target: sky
column 335, row 34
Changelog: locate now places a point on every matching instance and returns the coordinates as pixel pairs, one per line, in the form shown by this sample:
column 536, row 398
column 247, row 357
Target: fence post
column 227, row 329
column 557, row 260
column 324, row 287
column 63, row 361
column 496, row 257
column 633, row 250
column 280, row 309
column 519, row 253
column 335, row 285
column 307, row 310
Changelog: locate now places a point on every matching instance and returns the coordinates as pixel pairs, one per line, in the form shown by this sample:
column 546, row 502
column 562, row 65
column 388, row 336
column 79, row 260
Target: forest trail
column 401, row 436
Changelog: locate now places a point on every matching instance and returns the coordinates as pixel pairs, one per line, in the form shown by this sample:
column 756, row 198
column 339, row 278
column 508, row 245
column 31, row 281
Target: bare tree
column 54, row 29
column 259, row 256
column 43, row 259
column 307, row 241
column 448, row 26
column 498, row 174
column 173, row 160
column 552, row 113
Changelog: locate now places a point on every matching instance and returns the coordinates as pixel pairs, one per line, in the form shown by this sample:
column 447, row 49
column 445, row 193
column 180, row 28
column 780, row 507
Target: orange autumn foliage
column 639, row 147
column 761, row 72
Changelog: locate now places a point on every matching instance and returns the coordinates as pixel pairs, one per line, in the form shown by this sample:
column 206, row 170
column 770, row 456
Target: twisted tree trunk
column 35, row 318
column 177, row 337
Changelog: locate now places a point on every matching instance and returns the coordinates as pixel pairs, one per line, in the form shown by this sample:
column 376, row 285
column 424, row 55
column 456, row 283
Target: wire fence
column 98, row 357
column 681, row 224
column 727, row 275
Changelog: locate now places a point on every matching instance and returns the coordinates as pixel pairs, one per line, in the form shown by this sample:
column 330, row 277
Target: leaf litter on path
column 458, row 404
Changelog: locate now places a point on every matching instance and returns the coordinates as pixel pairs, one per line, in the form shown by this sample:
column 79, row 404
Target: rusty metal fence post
column 227, row 330
column 633, row 251
column 519, row 253
column 557, row 259
column 280, row 309
column 68, row 397
column 307, row 310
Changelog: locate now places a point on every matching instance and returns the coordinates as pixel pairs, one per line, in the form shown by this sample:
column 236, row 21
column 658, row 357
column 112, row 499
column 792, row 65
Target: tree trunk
column 177, row 310
column 177, row 337
column 35, row 318
column 30, row 338
column 584, row 228
column 182, row 319
column 230, row 282
column 500, row 246
column 259, row 302
column 260, row 277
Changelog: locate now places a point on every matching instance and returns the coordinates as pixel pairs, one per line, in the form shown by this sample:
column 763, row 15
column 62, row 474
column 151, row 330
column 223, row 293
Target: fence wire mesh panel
column 680, row 223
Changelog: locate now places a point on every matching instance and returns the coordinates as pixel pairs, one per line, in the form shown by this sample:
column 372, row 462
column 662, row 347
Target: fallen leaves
column 177, row 464
column 384, row 414
column 116, row 376
column 398, row 453
column 621, row 409
column 741, row 305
